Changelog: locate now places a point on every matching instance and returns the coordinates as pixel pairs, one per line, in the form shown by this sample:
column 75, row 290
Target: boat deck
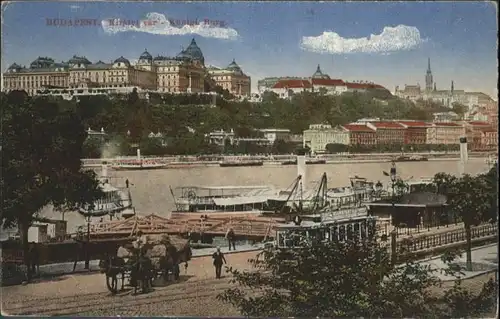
column 244, row 226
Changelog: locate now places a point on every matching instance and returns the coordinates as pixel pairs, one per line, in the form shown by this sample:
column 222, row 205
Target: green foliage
column 472, row 198
column 152, row 146
column 459, row 108
column 337, row 148
column 91, row 148
column 469, row 196
column 41, row 155
column 333, row 279
column 170, row 114
column 41, row 152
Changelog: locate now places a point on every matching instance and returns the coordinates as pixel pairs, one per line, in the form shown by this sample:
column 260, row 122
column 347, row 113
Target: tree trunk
column 23, row 229
column 468, row 236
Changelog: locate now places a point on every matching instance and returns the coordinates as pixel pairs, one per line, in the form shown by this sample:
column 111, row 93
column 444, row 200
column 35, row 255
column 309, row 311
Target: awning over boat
column 249, row 187
column 240, row 200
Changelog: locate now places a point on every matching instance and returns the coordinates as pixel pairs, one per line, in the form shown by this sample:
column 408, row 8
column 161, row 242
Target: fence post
column 393, row 247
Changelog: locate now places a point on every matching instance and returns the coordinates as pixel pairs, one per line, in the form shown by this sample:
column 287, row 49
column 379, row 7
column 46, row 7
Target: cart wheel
column 112, row 283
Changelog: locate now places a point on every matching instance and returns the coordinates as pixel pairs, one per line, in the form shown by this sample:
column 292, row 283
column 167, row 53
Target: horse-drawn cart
column 144, row 260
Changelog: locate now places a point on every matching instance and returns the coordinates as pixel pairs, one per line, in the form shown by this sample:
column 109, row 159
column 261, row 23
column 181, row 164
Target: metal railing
column 409, row 245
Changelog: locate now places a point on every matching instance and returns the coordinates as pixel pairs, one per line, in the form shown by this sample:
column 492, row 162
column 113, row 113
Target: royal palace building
column 231, row 78
column 184, row 73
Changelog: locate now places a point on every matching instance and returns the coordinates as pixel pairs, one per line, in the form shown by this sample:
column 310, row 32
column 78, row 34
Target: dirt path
column 87, row 295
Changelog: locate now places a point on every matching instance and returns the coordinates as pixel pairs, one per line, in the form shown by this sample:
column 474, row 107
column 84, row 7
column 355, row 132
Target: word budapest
column 72, row 22
column 58, row 22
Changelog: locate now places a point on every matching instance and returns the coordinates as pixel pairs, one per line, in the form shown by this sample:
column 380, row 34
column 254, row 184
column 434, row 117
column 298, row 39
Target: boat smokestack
column 301, row 169
column 138, row 154
column 464, row 155
column 104, row 170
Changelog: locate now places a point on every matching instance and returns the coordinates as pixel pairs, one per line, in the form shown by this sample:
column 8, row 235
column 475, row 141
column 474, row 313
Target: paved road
column 484, row 259
column 195, row 295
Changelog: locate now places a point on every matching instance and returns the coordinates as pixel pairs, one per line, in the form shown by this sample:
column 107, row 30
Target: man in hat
column 219, row 259
column 230, row 236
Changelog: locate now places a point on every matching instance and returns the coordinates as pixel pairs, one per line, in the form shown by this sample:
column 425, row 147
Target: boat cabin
column 115, row 200
column 340, row 225
column 222, row 198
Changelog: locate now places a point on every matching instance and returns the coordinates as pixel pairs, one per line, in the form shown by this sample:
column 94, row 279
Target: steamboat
column 308, row 162
column 117, row 200
column 240, row 163
column 268, row 200
column 492, row 160
column 410, row 159
column 138, row 164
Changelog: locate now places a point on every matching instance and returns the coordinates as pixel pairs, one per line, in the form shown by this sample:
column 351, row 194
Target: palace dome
column 193, row 52
column 146, row 56
column 122, row 60
column 79, row 60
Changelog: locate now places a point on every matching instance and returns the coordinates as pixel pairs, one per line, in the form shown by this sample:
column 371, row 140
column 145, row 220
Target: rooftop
column 292, row 84
column 357, row 128
column 414, row 123
column 328, row 82
column 419, row 199
column 390, row 125
column 446, row 124
column 478, row 123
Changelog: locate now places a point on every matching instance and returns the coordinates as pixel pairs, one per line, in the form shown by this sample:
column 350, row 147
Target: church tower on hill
column 428, row 77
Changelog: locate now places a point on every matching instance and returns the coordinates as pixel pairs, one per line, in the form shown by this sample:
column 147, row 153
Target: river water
column 151, row 194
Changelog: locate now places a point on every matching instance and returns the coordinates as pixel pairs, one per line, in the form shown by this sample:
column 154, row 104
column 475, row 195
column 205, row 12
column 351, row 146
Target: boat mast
column 322, row 190
column 173, row 196
column 296, row 184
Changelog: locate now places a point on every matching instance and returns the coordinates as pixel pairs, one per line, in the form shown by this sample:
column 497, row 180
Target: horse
column 142, row 271
column 112, row 267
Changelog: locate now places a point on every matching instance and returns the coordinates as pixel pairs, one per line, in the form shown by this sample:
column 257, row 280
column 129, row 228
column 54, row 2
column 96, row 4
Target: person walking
column 219, row 260
column 33, row 256
column 230, row 236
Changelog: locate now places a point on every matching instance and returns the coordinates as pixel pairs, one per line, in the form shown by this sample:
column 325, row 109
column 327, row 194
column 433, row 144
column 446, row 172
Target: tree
column 282, row 147
column 152, row 146
column 344, row 279
column 470, row 197
column 333, row 148
column 91, row 148
column 459, row 108
column 41, row 153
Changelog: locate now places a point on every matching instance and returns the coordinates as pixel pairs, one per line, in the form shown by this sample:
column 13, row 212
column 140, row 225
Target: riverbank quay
column 193, row 162
column 16, row 272
column 194, row 294
column 426, row 243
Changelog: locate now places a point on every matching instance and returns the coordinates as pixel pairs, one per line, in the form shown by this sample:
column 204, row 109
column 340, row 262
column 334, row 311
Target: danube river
column 151, row 194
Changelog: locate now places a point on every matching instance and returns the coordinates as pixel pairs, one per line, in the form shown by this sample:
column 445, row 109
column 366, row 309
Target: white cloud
column 157, row 23
column 391, row 39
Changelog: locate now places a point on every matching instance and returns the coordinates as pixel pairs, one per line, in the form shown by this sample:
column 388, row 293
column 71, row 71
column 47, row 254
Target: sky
column 383, row 42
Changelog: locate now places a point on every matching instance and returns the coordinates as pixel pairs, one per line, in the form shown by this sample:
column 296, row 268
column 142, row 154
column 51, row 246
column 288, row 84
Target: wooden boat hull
column 307, row 162
column 409, row 159
column 137, row 168
column 241, row 164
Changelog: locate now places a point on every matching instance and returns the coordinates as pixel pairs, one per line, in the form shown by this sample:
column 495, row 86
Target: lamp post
column 378, row 192
column 87, row 253
column 393, row 176
column 394, row 233
column 378, row 188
